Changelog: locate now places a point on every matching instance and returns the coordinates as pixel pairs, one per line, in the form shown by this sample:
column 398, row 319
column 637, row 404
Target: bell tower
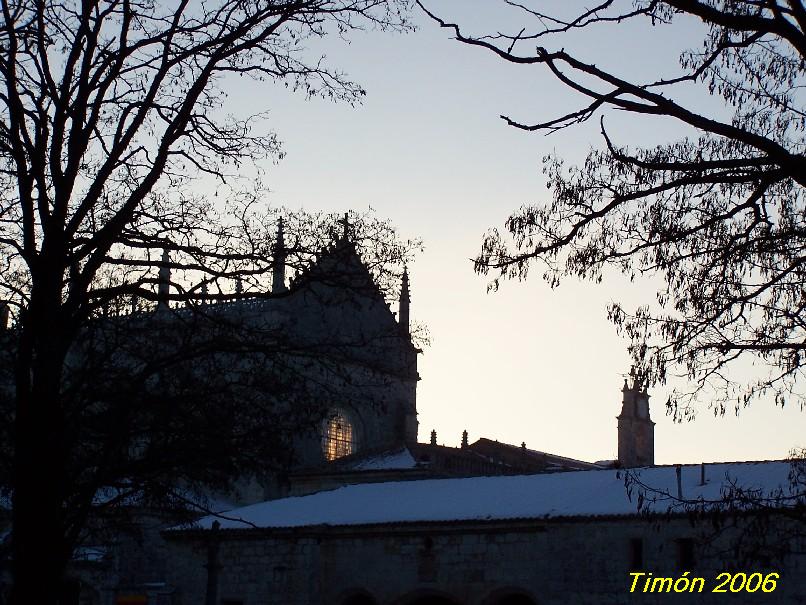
column 636, row 431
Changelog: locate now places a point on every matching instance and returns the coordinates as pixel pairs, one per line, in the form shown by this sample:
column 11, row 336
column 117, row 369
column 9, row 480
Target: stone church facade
column 336, row 309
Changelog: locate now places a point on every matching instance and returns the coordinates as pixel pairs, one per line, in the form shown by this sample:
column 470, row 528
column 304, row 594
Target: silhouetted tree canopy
column 763, row 526
column 112, row 120
column 719, row 216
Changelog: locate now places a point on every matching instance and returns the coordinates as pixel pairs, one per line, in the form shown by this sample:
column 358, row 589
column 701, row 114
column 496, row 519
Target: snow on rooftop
column 570, row 494
column 386, row 461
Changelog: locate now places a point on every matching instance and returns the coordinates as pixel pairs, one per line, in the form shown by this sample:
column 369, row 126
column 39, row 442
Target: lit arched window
column 339, row 436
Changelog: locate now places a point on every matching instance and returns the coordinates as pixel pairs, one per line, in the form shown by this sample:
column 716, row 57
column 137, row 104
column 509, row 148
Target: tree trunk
column 40, row 553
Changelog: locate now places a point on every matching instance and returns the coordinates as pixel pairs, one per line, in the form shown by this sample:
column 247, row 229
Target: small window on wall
column 636, row 554
column 339, row 437
column 685, row 554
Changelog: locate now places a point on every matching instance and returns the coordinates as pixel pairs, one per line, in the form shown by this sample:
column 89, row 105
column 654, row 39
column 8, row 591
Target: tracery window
column 339, row 437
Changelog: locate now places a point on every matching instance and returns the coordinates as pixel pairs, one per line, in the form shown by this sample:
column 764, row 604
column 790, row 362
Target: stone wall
column 579, row 561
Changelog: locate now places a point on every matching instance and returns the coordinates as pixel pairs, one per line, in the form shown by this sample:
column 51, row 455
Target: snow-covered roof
column 386, row 461
column 543, row 496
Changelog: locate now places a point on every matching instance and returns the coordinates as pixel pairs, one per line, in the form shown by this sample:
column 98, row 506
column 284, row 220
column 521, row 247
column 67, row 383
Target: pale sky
column 428, row 151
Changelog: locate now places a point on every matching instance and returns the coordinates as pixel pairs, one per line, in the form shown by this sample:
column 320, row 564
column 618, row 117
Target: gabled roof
column 339, row 265
column 515, row 455
column 476, row 499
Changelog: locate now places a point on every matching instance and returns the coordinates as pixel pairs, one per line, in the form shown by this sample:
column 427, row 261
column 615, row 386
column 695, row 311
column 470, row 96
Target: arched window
column 340, row 436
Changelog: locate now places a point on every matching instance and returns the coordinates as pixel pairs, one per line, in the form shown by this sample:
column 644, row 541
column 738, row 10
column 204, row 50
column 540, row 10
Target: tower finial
column 433, row 437
column 164, row 281
column 405, row 301
column 345, row 226
column 278, row 263
column 464, row 439
column 640, row 380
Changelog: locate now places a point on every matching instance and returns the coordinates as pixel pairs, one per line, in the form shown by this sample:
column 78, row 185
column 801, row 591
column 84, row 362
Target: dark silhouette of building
column 367, row 371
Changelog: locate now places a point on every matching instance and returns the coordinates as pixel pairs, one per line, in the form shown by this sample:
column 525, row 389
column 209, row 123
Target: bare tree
column 718, row 216
column 109, row 110
column 744, row 524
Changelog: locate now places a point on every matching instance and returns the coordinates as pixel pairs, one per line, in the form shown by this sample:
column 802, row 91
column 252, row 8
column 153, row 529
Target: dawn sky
column 428, row 151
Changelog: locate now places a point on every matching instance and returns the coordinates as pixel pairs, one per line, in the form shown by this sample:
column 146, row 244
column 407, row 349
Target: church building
column 486, row 523
column 368, row 513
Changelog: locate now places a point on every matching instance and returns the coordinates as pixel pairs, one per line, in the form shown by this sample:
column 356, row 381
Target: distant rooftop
column 391, row 460
column 522, row 454
column 413, row 460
